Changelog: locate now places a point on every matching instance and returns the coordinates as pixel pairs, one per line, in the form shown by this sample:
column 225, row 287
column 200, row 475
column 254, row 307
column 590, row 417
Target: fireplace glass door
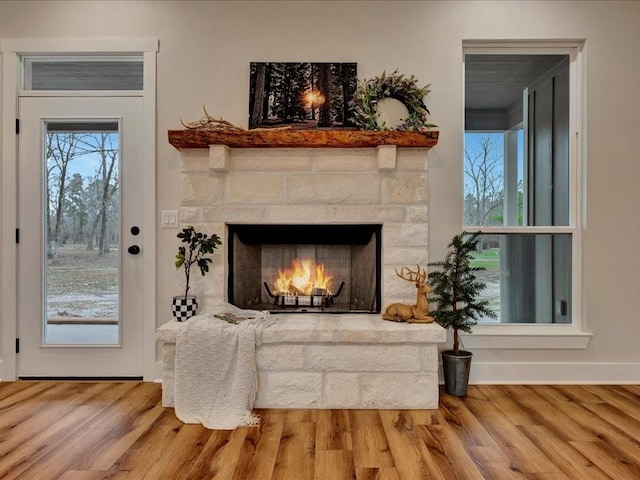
column 305, row 268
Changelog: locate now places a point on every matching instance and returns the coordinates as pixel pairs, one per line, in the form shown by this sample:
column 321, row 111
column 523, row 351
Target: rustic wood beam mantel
column 184, row 139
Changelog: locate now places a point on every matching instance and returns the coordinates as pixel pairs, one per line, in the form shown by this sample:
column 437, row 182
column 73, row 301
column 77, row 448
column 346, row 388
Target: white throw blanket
column 215, row 367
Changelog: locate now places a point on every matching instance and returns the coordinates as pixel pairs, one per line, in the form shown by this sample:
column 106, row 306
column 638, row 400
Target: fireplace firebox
column 305, row 268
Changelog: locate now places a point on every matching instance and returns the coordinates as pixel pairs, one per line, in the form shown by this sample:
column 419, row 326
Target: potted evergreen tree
column 197, row 246
column 455, row 290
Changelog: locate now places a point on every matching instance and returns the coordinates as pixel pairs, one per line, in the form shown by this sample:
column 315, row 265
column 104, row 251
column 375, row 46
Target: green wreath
column 395, row 85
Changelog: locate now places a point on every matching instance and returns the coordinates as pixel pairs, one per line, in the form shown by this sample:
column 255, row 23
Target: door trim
column 11, row 50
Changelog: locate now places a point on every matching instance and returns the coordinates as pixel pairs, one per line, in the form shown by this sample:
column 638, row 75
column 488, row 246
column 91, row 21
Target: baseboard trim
column 80, row 379
column 604, row 373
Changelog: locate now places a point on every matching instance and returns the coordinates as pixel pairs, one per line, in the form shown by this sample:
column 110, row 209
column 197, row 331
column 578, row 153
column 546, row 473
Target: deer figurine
column 418, row 313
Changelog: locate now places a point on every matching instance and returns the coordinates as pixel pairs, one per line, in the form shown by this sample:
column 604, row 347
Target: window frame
column 548, row 336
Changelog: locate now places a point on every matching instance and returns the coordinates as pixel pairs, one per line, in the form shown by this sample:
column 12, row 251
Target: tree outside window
column 484, row 180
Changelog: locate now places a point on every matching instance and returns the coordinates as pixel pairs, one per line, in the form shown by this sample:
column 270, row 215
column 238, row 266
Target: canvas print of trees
column 301, row 95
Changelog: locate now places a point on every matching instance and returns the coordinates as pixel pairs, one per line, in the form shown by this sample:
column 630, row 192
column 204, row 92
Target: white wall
column 205, row 50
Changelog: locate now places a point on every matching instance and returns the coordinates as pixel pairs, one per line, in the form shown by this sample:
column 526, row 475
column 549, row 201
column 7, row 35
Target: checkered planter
column 184, row 308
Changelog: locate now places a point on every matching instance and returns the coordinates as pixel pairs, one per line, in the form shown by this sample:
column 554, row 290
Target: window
column 520, row 171
column 83, row 73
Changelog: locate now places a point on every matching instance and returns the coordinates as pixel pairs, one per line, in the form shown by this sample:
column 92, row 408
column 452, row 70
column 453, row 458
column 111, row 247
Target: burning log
column 319, row 297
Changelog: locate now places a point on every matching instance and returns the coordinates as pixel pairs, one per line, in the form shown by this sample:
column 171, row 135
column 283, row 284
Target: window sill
column 544, row 337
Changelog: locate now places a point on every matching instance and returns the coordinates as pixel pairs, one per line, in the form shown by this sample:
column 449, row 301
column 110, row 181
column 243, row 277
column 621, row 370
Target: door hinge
column 17, row 126
column 17, row 235
column 17, row 345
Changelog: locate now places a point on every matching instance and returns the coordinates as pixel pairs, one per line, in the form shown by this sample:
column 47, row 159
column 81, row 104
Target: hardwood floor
column 119, row 430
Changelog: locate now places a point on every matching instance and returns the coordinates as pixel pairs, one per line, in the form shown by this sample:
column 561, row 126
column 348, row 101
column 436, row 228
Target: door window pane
column 82, row 233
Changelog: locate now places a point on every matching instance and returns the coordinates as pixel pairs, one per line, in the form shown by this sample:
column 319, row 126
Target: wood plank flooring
column 120, row 431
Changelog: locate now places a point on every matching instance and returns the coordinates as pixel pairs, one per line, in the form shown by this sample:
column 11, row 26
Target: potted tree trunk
column 196, row 250
column 455, row 291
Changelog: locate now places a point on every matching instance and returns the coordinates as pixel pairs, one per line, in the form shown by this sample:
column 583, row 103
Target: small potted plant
column 455, row 290
column 196, row 250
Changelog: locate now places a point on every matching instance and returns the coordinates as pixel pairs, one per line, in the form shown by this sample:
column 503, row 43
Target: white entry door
column 79, row 255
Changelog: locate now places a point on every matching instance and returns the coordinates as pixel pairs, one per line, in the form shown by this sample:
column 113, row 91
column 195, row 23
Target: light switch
column 169, row 219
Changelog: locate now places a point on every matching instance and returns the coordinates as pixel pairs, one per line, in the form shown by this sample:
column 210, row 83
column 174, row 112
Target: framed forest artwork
column 301, row 95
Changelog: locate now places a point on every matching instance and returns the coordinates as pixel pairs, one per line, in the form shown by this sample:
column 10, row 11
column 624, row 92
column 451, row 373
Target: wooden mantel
column 184, row 139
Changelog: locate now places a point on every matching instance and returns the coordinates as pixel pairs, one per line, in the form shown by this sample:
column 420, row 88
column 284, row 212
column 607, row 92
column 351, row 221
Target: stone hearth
column 336, row 361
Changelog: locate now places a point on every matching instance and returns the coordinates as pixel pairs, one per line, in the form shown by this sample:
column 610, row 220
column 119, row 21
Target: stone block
column 190, row 214
column 280, row 357
column 298, row 214
column 255, row 189
column 418, row 214
column 244, row 214
column 405, row 235
column 405, row 188
column 322, row 188
column 289, row 390
column 168, row 332
column 414, row 333
column 168, row 373
column 209, row 284
column 345, row 160
column 367, row 214
column 406, row 256
column 412, row 159
column 298, row 329
column 272, row 160
column 356, row 330
column 396, row 289
column 386, row 158
column 206, row 301
column 219, row 158
column 194, row 160
column 430, row 357
column 200, row 189
column 363, row 358
column 341, row 390
column 399, row 390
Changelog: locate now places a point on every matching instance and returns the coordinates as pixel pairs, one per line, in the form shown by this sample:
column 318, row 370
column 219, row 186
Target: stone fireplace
column 384, row 185
column 338, row 352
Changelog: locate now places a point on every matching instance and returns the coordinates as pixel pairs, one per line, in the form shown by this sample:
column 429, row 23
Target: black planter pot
column 184, row 308
column 456, row 369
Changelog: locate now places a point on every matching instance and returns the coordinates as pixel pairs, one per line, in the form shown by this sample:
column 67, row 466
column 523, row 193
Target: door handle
column 134, row 249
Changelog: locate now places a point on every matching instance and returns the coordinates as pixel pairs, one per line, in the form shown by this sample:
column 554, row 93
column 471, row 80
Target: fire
column 304, row 278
